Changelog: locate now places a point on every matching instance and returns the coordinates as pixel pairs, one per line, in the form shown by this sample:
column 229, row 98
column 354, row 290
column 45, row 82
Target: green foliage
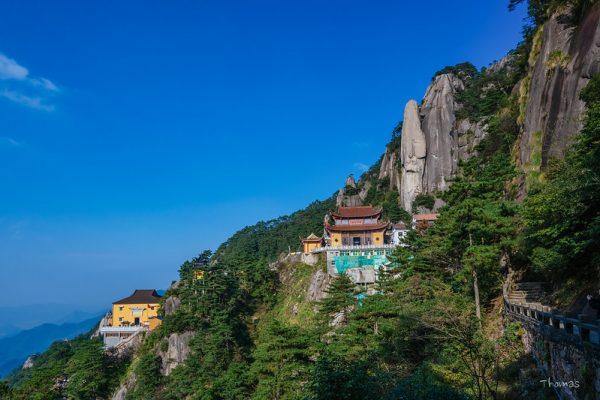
column 280, row 361
column 269, row 239
column 335, row 378
column 423, row 200
column 464, row 71
column 148, row 378
column 340, row 297
column 74, row 369
column 84, row 380
column 540, row 10
column 351, row 190
column 561, row 219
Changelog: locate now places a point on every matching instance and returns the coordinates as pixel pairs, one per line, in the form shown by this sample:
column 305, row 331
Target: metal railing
column 577, row 329
column 354, row 248
column 115, row 329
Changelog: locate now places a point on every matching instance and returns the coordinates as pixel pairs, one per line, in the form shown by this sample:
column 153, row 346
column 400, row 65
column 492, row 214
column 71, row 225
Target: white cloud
column 19, row 87
column 44, row 83
column 10, row 69
column 362, row 167
column 28, row 101
column 9, row 142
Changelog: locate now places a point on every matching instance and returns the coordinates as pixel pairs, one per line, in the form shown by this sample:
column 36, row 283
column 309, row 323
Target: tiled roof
column 357, row 228
column 357, row 212
column 312, row 236
column 425, row 217
column 400, row 225
column 141, row 296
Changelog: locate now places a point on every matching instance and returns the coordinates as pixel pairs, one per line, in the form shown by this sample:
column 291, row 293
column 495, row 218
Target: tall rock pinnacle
column 413, row 150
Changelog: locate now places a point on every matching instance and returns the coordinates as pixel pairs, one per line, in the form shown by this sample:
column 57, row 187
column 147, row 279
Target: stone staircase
column 526, row 293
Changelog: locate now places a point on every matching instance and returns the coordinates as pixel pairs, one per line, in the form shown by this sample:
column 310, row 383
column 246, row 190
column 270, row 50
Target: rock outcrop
column 568, row 55
column 319, row 281
column 391, row 168
column 171, row 304
column 438, row 112
column 29, row 362
column 124, row 388
column 350, row 199
column 413, row 150
column 177, row 351
column 468, row 135
column 433, row 142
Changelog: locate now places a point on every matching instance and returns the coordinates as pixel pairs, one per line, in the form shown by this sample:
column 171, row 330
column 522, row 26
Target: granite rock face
column 569, row 55
column 319, row 281
column 467, row 135
column 391, row 168
column 438, row 112
column 171, row 304
column 177, row 351
column 413, row 149
column 433, row 142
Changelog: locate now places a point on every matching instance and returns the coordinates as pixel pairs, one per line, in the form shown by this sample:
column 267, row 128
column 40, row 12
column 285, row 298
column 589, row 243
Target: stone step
column 525, row 294
column 529, row 285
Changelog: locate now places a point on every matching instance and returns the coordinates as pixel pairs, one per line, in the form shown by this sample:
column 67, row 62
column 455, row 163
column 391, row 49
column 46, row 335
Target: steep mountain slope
column 264, row 326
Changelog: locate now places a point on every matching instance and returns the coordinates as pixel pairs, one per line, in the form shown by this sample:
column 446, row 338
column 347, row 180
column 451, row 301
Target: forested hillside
column 256, row 326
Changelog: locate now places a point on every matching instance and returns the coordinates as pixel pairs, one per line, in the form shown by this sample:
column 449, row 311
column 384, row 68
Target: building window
column 120, row 308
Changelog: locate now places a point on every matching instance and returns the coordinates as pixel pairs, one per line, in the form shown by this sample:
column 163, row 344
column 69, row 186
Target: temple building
column 130, row 315
column 310, row 243
column 357, row 226
column 420, row 222
column 357, row 242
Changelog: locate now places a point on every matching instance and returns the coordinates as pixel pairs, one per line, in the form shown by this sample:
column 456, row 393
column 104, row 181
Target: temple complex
column 131, row 315
column 356, row 226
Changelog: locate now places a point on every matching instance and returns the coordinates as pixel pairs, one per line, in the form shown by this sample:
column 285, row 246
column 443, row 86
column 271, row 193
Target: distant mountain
column 14, row 350
column 17, row 318
column 8, row 330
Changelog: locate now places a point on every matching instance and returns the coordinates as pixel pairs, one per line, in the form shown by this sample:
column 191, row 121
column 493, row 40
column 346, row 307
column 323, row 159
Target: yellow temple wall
column 336, row 239
column 310, row 246
column 123, row 312
column 377, row 237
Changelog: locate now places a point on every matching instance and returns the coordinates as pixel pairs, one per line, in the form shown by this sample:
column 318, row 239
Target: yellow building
column 139, row 309
column 311, row 243
column 357, row 226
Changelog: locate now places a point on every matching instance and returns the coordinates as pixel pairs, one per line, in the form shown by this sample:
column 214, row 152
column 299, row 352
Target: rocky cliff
column 413, row 150
column 433, row 141
column 565, row 55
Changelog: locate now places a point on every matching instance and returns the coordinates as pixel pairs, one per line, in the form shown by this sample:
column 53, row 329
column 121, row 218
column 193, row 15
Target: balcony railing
column 354, row 248
column 114, row 329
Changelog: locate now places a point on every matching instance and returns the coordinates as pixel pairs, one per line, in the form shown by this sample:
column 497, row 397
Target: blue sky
column 135, row 134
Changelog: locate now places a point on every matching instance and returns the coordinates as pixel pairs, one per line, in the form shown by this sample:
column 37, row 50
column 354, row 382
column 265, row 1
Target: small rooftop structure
column 399, row 232
column 311, row 242
column 423, row 220
column 425, row 217
column 401, row 226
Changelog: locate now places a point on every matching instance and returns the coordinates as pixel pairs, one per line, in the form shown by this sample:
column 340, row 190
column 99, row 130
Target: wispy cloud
column 18, row 86
column 10, row 69
column 9, row 142
column 28, row 101
column 362, row 167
